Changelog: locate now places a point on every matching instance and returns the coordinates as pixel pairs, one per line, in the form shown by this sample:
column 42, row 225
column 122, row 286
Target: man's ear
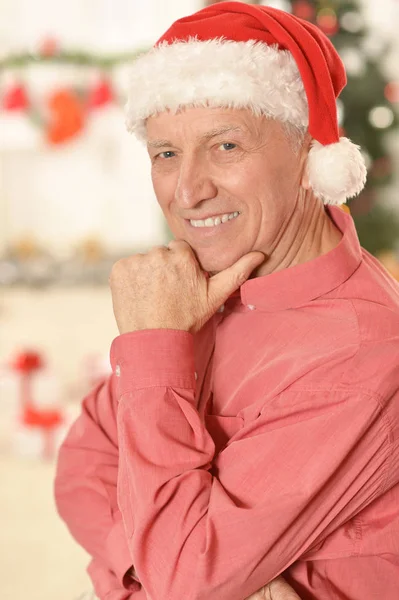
column 305, row 183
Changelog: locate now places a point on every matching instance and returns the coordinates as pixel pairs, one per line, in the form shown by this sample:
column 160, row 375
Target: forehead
column 202, row 122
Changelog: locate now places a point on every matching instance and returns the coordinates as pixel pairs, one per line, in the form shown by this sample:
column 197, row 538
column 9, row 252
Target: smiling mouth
column 214, row 221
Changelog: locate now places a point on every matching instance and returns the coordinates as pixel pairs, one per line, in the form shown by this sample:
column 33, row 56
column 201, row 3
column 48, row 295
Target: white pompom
column 336, row 171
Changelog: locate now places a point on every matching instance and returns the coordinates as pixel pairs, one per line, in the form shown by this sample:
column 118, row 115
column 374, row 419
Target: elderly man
column 252, row 420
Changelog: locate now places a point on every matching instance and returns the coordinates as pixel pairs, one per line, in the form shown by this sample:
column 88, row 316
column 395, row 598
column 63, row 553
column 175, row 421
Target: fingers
column 226, row 282
column 262, row 594
column 280, row 590
column 179, row 245
column 183, row 249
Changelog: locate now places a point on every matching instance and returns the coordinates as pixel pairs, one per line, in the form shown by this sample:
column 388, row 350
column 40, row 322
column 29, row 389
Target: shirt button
column 118, row 370
column 221, row 309
column 196, row 375
column 251, row 307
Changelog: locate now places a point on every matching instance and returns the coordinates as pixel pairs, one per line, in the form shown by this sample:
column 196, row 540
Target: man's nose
column 195, row 183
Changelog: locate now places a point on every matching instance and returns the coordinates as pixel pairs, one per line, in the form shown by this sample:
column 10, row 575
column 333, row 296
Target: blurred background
column 75, row 195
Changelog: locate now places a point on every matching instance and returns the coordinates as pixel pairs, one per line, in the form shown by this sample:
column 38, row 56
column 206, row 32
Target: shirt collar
column 299, row 285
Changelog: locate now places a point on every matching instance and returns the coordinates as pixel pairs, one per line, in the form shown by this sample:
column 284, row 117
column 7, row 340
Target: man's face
column 226, row 180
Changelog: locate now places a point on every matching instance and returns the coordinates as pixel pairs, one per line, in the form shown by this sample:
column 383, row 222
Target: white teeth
column 213, row 221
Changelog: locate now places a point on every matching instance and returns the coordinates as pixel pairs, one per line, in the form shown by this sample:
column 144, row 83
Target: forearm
column 193, row 520
column 85, row 484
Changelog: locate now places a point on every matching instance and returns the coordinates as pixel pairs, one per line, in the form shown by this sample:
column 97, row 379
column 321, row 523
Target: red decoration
column 100, row 95
column 327, row 21
column 46, row 420
column 392, row 91
column 67, row 117
column 303, row 10
column 49, row 47
column 26, row 363
column 328, row 25
column 16, row 98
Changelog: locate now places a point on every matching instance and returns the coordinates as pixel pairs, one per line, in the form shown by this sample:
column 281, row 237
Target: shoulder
column 374, row 296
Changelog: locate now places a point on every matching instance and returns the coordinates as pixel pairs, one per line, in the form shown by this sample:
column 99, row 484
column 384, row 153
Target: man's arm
column 85, row 492
column 306, row 465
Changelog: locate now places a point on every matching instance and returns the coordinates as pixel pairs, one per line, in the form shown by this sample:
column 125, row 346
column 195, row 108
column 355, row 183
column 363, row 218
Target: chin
column 214, row 264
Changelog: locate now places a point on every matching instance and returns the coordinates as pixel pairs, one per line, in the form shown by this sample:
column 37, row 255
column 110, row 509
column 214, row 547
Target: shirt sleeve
column 86, row 490
column 200, row 528
column 107, row 585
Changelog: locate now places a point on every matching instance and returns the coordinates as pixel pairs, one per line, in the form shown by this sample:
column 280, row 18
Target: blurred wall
column 98, row 185
column 100, row 24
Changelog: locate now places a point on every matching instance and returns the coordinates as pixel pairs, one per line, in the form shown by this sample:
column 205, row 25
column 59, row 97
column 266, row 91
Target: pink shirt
column 268, row 443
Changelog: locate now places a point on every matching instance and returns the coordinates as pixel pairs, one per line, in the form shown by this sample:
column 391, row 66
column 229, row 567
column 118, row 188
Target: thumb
column 223, row 284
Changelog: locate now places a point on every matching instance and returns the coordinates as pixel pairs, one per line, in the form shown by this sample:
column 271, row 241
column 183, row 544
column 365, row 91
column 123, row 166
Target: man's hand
column 167, row 289
column 278, row 589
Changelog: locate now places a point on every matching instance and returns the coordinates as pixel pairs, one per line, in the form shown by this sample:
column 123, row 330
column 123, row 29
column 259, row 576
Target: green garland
column 78, row 58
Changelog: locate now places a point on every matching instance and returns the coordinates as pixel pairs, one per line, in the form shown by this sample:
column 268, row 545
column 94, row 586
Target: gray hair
column 295, row 135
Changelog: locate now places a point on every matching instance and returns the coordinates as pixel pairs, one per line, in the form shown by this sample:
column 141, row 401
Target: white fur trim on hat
column 253, row 75
column 337, row 171
column 217, row 72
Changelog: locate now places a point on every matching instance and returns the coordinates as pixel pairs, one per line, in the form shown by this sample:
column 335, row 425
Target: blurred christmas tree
column 365, row 108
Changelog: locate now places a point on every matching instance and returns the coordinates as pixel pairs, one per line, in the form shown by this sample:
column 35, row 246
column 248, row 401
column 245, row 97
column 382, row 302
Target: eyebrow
column 159, row 143
column 220, row 131
column 203, row 138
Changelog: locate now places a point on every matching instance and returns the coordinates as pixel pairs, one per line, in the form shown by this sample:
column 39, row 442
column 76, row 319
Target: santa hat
column 237, row 55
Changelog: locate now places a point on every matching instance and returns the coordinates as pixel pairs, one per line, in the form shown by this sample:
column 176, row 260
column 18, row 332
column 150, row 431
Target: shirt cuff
column 152, row 358
column 118, row 554
column 106, row 584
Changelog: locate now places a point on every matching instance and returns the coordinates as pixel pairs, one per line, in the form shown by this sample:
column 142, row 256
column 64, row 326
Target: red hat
column 238, row 55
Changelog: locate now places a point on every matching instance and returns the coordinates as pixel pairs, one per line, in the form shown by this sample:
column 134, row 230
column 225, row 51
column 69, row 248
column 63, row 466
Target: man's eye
column 167, row 154
column 228, row 146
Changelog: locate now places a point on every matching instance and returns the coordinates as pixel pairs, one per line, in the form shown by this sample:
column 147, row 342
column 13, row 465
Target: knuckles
column 158, row 251
column 156, row 261
column 180, row 245
column 123, row 267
